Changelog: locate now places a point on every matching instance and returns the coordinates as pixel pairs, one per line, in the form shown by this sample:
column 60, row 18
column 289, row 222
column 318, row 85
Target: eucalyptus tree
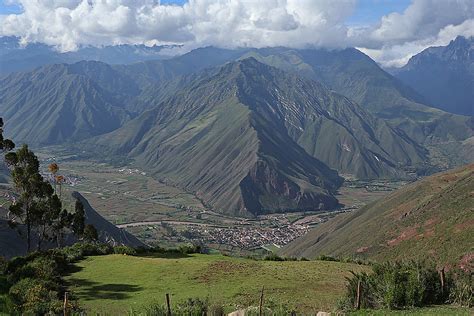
column 37, row 205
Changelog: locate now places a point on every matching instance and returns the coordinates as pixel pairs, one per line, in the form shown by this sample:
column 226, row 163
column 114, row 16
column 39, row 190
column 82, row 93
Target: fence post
column 441, row 277
column 358, row 295
column 168, row 304
column 261, row 303
column 66, row 303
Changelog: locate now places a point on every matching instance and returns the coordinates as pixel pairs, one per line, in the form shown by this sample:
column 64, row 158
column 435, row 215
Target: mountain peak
column 243, row 65
column 462, row 41
column 443, row 75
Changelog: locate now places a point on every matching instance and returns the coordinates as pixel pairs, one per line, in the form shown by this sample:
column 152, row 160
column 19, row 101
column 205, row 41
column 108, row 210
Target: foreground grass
column 425, row 311
column 115, row 284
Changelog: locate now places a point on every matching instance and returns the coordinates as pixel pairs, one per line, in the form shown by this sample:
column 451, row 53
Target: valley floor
column 160, row 213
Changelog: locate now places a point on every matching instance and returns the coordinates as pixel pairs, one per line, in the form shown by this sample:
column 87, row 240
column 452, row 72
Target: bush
column 3, row 265
column 327, row 258
column 79, row 250
column 189, row 249
column 192, row 307
column 153, row 310
column 44, row 268
column 125, row 250
column 34, row 296
column 462, row 289
column 216, row 310
column 273, row 257
column 397, row 285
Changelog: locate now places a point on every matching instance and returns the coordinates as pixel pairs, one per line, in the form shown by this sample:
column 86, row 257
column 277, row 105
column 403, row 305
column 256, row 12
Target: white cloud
column 67, row 24
column 424, row 23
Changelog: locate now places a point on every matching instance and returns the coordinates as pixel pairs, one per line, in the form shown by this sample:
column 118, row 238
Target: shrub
column 3, row 265
column 396, row 285
column 154, row 310
column 192, row 307
column 462, row 289
column 273, row 257
column 34, row 296
column 327, row 258
column 45, row 268
column 189, row 249
column 125, row 250
column 80, row 250
column 216, row 310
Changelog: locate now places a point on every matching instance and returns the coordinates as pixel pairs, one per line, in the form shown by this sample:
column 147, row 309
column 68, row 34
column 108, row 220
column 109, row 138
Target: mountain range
column 16, row 57
column 443, row 75
column 258, row 125
column 430, row 219
column 248, row 130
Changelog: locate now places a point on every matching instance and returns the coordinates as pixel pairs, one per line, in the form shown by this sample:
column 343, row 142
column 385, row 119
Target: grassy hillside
column 429, row 219
column 56, row 104
column 114, row 284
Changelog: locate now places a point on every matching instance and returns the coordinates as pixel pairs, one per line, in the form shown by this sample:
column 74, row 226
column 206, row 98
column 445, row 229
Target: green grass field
column 425, row 311
column 116, row 284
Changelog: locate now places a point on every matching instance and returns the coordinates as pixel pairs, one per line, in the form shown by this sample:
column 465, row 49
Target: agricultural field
column 115, row 284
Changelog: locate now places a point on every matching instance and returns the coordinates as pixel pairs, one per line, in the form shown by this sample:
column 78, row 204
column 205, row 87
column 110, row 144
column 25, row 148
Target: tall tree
column 37, row 205
column 5, row 144
column 32, row 189
column 78, row 219
column 53, row 168
column 90, row 233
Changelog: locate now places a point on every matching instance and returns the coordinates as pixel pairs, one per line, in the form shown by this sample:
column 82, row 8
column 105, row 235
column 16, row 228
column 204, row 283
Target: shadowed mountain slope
column 444, row 75
column 108, row 232
column 429, row 219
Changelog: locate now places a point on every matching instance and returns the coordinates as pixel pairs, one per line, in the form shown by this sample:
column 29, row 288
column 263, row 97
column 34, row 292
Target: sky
column 389, row 31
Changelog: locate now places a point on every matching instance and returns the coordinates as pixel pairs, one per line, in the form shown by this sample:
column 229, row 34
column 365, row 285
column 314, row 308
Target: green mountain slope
column 358, row 77
column 353, row 74
column 250, row 138
column 238, row 161
column 56, row 104
column 430, row 219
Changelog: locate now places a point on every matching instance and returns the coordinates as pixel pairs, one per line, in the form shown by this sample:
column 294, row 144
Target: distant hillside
column 444, row 75
column 12, row 244
column 348, row 72
column 245, row 138
column 358, row 77
column 15, row 57
column 430, row 219
column 60, row 103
